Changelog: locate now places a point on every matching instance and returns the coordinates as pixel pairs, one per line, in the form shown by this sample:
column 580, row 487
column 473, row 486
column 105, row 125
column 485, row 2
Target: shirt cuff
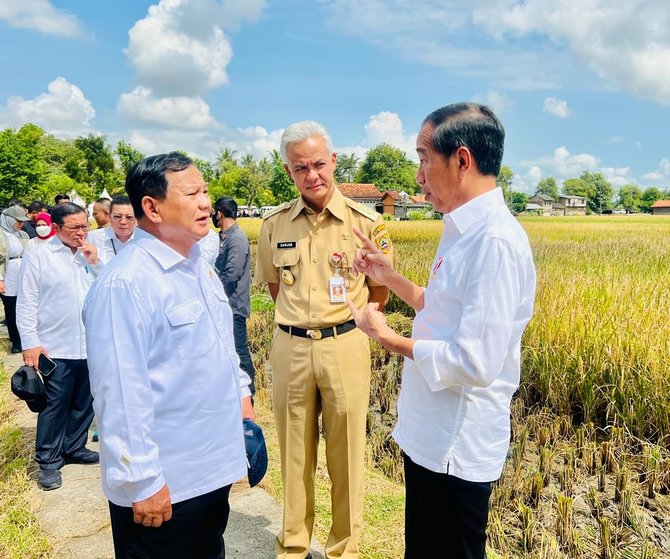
column 30, row 341
column 141, row 490
column 423, row 352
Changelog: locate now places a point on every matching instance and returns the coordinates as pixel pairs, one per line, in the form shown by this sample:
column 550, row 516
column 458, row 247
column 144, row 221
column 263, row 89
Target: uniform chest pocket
column 187, row 331
column 287, row 263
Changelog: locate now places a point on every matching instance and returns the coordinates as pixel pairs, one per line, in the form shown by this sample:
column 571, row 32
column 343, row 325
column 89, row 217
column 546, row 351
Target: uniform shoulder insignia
column 280, row 208
column 363, row 209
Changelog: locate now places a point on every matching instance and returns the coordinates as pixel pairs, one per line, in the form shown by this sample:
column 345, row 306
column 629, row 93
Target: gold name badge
column 287, row 277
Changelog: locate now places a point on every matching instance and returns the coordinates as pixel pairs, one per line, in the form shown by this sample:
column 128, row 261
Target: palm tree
column 346, row 168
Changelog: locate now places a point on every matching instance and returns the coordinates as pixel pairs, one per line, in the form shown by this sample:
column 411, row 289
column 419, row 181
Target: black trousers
column 458, row 529
column 10, row 318
column 195, row 530
column 242, row 348
column 62, row 427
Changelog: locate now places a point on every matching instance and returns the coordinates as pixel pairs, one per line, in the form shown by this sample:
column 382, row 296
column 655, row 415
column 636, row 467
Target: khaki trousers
column 328, row 377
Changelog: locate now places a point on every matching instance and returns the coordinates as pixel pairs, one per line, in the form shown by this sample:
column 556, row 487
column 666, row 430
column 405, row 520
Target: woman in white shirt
column 11, row 222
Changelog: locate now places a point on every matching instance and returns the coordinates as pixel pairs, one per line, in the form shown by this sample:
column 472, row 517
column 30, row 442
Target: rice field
column 588, row 472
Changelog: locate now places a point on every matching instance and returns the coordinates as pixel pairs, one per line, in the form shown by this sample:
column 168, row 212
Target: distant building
column 542, row 203
column 566, row 205
column 364, row 193
column 574, row 205
column 398, row 204
column 661, row 207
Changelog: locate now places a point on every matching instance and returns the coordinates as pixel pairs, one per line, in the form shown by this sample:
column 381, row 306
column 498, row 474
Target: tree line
column 35, row 165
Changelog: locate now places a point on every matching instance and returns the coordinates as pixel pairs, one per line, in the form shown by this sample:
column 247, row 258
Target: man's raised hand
column 370, row 261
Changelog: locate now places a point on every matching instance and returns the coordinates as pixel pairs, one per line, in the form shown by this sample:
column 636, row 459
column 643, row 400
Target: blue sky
column 578, row 84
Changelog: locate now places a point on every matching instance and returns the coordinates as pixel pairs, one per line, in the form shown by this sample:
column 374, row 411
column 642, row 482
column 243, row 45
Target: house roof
column 544, row 197
column 393, row 194
column 661, row 204
column 558, row 206
column 532, row 206
column 418, row 199
column 359, row 190
column 571, row 197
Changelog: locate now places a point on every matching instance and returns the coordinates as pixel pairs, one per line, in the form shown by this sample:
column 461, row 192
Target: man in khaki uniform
column 320, row 360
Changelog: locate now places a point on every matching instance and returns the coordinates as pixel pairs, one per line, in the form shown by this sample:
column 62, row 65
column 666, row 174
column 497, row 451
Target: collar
column 54, row 244
column 336, row 206
column 162, row 253
column 109, row 234
column 465, row 216
column 230, row 229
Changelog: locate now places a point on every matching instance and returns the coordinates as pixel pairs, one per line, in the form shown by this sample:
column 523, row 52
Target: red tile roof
column 418, row 198
column 661, row 204
column 359, row 190
column 394, row 194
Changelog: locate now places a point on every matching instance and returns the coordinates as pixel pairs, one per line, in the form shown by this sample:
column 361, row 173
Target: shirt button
column 314, row 260
column 313, row 288
column 316, row 232
column 313, row 315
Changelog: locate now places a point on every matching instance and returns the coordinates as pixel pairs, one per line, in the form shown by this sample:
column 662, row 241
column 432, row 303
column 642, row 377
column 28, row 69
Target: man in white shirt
column 169, row 395
column 462, row 363
column 110, row 240
column 53, row 283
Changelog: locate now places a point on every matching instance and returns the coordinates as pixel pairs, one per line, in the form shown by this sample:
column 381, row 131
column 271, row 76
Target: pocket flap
column 282, row 258
column 187, row 312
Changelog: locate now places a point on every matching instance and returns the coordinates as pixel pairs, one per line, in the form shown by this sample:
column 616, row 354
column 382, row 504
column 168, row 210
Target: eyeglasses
column 75, row 227
column 120, row 217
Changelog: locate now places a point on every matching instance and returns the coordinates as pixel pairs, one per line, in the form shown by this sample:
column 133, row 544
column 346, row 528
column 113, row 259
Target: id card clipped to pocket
column 337, row 289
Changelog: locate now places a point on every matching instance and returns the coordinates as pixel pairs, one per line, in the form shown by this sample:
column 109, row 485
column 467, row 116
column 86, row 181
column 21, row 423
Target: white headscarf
column 7, row 223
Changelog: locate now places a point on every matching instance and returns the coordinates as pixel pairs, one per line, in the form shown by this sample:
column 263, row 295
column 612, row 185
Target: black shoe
column 50, row 479
column 83, row 456
column 16, row 349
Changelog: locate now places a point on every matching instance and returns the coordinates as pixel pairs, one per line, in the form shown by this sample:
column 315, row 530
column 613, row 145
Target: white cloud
column 41, row 16
column 617, row 176
column 556, row 107
column 661, row 177
column 525, row 43
column 180, row 49
column 626, row 44
column 189, row 113
column 63, row 111
column 563, row 165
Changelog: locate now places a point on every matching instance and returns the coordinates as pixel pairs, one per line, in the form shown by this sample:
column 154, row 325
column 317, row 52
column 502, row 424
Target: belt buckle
column 314, row 334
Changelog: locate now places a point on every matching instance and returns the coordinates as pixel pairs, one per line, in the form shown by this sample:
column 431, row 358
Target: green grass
column 20, row 535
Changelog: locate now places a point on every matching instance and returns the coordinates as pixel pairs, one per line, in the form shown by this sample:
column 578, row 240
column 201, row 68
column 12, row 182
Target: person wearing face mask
column 11, row 223
column 44, row 231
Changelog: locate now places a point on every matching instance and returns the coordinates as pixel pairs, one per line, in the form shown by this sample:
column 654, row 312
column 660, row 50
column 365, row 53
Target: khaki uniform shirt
column 294, row 245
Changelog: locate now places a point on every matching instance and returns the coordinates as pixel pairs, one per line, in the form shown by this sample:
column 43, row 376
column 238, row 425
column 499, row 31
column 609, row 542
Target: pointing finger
column 367, row 243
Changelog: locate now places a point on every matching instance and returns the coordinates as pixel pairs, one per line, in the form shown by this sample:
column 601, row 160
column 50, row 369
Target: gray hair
column 299, row 132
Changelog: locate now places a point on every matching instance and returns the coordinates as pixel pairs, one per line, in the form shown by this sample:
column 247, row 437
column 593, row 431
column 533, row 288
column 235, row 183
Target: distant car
column 619, row 211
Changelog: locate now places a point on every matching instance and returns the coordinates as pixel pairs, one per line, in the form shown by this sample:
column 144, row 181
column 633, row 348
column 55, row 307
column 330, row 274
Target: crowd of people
column 145, row 320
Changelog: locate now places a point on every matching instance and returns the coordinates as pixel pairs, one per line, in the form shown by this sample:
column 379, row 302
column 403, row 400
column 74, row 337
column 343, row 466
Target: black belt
column 318, row 333
column 14, row 257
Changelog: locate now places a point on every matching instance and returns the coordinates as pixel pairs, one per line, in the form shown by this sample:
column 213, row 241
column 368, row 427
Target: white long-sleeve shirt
column 453, row 408
column 107, row 243
column 165, row 376
column 53, row 284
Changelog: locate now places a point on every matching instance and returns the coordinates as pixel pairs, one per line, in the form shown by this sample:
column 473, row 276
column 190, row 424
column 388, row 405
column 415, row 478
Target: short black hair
column 36, row 206
column 119, row 201
column 148, row 177
column 473, row 126
column 227, row 206
column 60, row 197
column 61, row 211
column 103, row 202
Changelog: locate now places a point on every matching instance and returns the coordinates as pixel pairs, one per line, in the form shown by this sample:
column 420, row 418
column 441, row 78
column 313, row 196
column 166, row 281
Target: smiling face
column 312, row 168
column 181, row 219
